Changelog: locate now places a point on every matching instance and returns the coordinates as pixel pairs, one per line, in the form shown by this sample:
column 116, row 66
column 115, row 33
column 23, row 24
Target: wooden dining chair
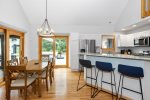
column 23, row 60
column 51, row 70
column 45, row 73
column 22, row 82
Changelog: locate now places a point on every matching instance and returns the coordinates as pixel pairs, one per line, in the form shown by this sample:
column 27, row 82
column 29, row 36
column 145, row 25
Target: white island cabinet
column 117, row 59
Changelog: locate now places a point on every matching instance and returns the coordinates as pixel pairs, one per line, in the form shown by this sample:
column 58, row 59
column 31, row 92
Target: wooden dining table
column 35, row 66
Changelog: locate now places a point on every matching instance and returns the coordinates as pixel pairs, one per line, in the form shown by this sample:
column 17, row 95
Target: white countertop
column 122, row 56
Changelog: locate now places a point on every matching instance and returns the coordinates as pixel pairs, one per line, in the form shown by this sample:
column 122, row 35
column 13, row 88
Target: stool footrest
column 107, row 82
column 131, row 90
column 91, row 78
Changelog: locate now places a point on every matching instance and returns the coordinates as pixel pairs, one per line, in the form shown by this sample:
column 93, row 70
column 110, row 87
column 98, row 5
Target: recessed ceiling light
column 123, row 29
column 133, row 25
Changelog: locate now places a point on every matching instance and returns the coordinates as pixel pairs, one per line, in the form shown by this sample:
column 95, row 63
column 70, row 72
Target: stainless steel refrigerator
column 88, row 46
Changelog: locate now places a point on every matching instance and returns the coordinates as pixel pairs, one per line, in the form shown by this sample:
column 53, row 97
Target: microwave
column 144, row 41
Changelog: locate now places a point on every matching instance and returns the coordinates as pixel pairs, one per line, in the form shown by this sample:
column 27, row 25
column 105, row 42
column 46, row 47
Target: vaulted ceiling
column 74, row 12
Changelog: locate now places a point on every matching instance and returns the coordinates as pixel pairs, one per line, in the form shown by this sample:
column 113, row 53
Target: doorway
column 2, row 55
column 54, row 47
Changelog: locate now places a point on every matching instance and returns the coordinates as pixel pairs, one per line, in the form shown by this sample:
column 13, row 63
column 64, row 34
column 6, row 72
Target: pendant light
column 45, row 29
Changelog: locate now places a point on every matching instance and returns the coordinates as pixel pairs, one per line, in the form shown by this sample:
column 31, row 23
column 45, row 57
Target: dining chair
column 51, row 70
column 45, row 74
column 23, row 60
column 22, row 82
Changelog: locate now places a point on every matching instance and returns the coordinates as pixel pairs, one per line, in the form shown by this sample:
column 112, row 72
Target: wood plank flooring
column 63, row 88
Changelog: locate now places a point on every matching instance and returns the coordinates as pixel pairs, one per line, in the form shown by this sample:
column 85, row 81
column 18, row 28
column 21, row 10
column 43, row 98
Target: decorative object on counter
column 82, row 50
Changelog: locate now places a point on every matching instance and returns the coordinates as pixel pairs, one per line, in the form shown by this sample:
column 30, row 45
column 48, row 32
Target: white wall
column 130, row 15
column 12, row 15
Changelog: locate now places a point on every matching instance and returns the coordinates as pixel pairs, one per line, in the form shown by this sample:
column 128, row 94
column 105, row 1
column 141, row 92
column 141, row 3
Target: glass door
column 47, row 48
column 61, row 51
column 54, row 47
column 14, row 47
column 2, row 59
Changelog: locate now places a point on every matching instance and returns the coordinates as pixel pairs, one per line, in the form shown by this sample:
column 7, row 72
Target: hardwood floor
column 63, row 88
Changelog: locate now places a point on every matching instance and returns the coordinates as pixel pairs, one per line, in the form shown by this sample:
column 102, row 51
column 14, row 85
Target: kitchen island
column 116, row 59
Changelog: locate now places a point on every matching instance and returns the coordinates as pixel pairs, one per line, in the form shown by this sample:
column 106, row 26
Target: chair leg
column 91, row 83
column 112, row 87
column 141, row 88
column 119, row 87
column 47, row 83
column 122, row 86
column 115, row 83
column 101, row 81
column 79, row 81
column 25, row 93
column 96, row 85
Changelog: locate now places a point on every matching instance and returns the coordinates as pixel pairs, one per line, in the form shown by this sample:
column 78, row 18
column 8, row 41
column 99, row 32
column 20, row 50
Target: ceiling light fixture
column 134, row 25
column 123, row 29
column 45, row 29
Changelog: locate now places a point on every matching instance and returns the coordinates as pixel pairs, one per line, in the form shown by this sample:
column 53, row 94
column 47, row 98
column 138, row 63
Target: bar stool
column 105, row 67
column 87, row 65
column 133, row 72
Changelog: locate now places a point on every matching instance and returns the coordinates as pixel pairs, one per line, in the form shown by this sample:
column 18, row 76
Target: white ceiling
column 74, row 12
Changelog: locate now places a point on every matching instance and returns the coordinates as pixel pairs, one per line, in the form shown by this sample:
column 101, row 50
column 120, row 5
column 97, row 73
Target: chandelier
column 45, row 29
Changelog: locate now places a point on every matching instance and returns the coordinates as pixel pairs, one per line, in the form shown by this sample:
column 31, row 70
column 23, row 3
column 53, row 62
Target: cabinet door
column 130, row 40
column 126, row 40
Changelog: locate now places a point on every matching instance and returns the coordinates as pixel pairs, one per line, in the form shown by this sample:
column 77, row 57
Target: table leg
column 39, row 84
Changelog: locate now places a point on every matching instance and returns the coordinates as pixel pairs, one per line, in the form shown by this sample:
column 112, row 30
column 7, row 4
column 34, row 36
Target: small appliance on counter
column 142, row 41
column 129, row 52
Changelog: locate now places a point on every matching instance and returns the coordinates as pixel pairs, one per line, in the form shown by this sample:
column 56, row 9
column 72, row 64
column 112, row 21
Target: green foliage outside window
column 47, row 45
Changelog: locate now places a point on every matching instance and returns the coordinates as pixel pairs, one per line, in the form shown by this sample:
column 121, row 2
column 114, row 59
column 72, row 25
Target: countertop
column 121, row 56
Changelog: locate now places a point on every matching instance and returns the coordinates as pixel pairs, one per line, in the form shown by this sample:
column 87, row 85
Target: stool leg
column 119, row 86
column 96, row 85
column 91, row 82
column 101, row 81
column 141, row 88
column 122, row 87
column 115, row 82
column 112, row 87
column 79, row 81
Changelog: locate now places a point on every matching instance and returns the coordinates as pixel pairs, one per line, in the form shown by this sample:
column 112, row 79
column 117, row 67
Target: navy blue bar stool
column 87, row 65
column 133, row 72
column 105, row 67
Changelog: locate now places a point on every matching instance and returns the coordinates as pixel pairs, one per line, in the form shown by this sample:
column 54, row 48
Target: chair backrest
column 23, row 60
column 85, row 63
column 13, row 62
column 131, row 71
column 105, row 66
column 20, row 69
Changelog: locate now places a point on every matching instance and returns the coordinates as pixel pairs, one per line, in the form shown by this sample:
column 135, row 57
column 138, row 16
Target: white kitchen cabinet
column 126, row 40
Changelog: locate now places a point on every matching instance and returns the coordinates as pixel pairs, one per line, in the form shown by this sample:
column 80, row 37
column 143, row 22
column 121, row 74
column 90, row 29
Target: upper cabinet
column 145, row 8
column 126, row 40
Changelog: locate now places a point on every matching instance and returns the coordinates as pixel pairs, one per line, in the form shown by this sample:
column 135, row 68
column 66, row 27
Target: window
column 145, row 8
